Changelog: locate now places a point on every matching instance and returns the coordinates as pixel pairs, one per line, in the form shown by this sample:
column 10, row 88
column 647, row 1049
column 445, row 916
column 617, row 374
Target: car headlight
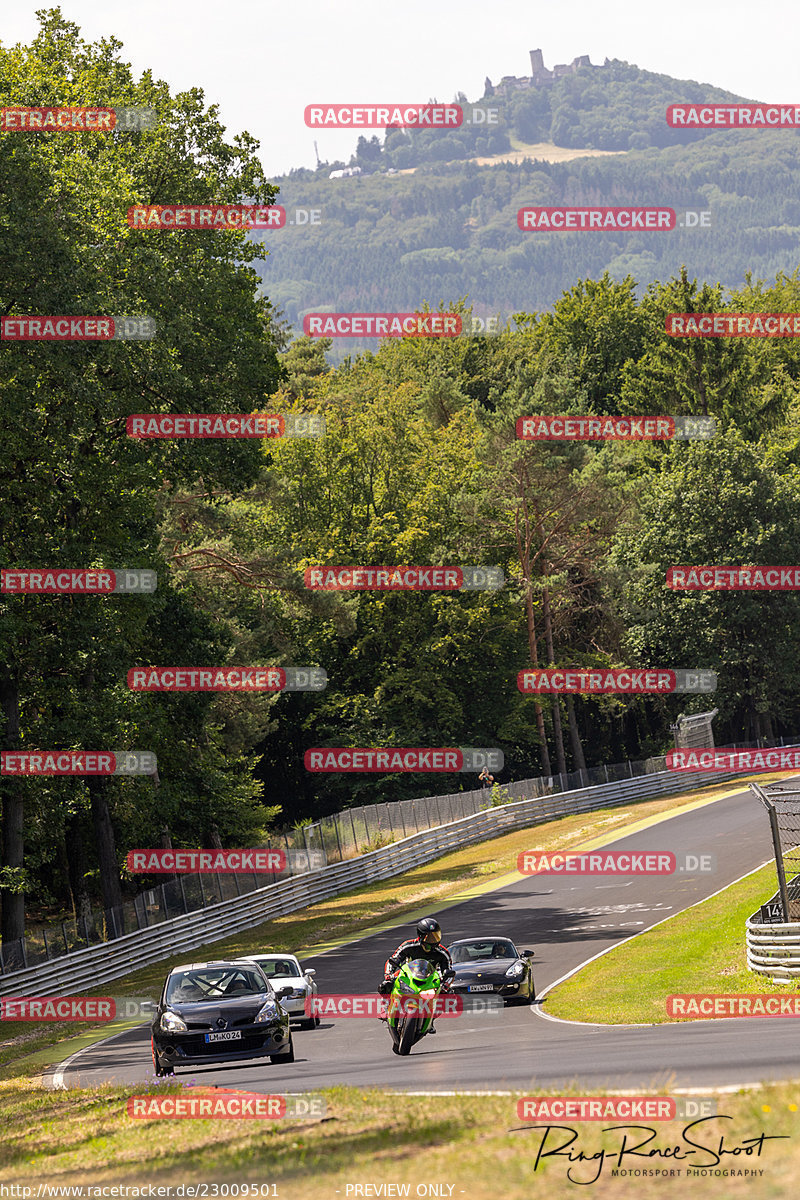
column 171, row 1023
column 270, row 1012
column 516, row 969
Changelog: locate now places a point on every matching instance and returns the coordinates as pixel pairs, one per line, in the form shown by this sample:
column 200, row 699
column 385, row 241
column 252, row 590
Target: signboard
column 772, row 913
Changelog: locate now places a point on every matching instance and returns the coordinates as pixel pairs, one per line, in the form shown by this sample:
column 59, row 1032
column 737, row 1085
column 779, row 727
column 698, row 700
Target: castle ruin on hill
column 539, row 77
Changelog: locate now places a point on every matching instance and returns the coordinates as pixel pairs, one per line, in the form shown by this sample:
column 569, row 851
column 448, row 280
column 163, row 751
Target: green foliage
column 420, row 463
column 77, row 492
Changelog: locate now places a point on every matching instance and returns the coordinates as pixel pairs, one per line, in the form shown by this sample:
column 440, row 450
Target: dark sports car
column 218, row 1012
column 492, row 964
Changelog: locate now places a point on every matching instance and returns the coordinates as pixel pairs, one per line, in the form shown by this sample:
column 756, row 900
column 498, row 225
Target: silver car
column 284, row 971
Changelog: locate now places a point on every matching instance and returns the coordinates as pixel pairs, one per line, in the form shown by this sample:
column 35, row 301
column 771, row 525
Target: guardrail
column 774, row 950
column 94, row 966
column 343, row 835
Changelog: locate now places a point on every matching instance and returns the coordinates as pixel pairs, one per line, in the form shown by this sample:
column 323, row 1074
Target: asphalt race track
column 566, row 920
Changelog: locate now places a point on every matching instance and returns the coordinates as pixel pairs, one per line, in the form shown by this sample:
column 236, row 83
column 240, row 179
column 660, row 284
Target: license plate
column 481, row 987
column 232, row 1035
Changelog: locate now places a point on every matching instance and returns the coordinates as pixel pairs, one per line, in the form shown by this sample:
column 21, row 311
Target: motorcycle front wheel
column 409, row 1035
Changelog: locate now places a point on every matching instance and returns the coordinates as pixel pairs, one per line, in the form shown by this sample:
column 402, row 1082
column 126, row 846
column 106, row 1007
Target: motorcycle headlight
column 516, row 969
column 171, row 1023
column 268, row 1013
column 406, row 990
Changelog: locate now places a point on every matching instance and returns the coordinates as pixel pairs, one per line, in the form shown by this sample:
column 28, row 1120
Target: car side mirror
column 528, row 953
column 283, row 992
column 310, row 971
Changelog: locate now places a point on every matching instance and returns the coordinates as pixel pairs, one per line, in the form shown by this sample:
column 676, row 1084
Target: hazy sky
column 263, row 62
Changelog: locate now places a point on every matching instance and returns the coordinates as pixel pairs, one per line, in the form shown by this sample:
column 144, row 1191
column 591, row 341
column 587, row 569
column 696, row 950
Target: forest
column 448, row 229
column 419, row 464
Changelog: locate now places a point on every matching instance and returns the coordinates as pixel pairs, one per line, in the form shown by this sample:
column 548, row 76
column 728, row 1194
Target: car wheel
column 317, row 1022
column 279, row 1058
column 161, row 1068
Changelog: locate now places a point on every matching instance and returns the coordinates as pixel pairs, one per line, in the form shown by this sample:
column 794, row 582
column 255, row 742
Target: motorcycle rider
column 427, row 944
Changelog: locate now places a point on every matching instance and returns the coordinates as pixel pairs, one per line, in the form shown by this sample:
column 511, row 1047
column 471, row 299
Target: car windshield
column 278, row 966
column 469, row 952
column 420, row 968
column 214, row 983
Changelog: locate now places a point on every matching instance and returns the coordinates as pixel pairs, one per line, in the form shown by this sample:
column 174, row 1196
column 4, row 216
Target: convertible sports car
column 218, row 1012
column 492, row 964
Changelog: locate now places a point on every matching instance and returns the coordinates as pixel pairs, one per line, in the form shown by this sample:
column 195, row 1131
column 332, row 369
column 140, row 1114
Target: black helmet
column 429, row 931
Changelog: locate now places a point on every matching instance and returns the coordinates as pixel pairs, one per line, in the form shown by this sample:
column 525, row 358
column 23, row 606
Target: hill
column 448, row 230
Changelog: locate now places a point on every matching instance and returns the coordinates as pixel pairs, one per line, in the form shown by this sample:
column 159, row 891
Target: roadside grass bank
column 699, row 950
column 475, row 1145
column 26, row 1049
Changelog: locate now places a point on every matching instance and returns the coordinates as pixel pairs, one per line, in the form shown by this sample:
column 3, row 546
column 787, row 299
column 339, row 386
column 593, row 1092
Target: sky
column 262, row 63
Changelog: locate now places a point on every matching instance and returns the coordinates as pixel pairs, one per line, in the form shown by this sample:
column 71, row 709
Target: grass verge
column 701, row 949
column 476, row 1146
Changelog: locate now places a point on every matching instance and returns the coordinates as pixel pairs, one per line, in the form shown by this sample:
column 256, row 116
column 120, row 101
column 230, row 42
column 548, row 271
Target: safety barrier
column 97, row 965
column 774, row 950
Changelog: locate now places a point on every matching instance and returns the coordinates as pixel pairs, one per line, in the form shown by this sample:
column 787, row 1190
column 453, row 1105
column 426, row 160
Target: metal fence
column 781, row 799
column 92, row 966
column 358, row 830
column 344, row 835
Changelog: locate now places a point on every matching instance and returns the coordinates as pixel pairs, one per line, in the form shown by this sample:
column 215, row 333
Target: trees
column 721, row 502
column 76, row 491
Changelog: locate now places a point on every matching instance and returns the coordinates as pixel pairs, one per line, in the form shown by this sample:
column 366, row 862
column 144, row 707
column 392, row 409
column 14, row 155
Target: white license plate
column 481, row 987
column 232, row 1035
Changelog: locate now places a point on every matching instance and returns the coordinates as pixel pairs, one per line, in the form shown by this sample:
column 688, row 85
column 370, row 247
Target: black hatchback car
column 494, row 965
column 218, row 1012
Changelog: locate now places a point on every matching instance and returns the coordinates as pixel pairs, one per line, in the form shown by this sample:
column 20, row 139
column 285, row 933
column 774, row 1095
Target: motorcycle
column 411, row 1003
